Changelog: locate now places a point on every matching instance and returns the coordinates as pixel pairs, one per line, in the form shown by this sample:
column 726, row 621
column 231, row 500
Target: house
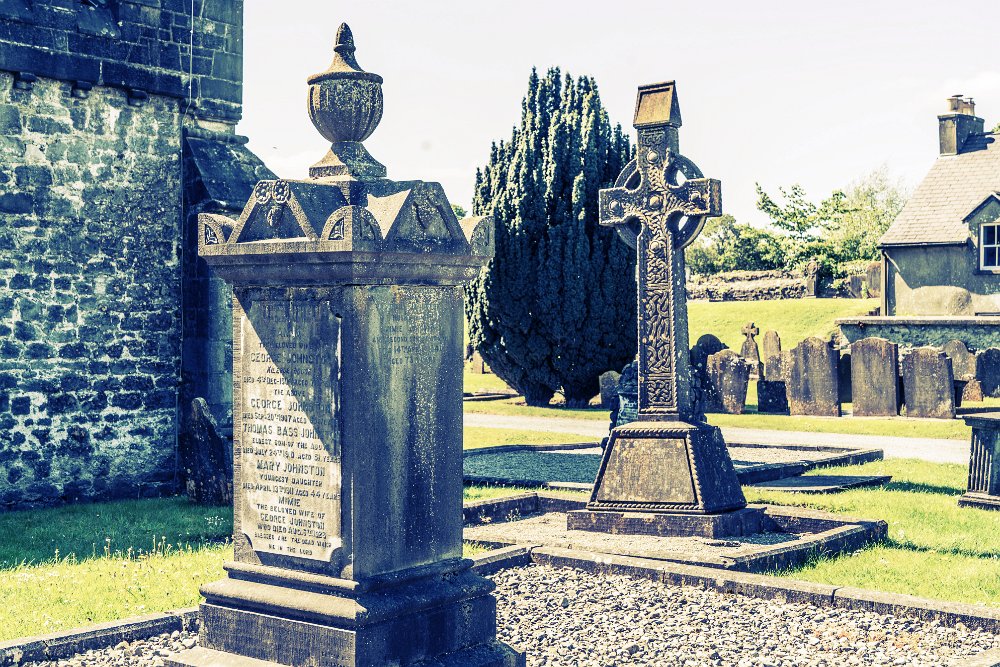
column 941, row 255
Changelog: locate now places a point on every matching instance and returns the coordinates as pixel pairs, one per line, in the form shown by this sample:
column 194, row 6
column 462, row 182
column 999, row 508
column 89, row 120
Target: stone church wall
column 89, row 292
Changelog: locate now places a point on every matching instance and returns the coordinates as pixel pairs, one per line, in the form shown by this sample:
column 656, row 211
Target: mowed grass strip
column 793, row 319
column 68, row 593
column 934, row 550
column 481, row 436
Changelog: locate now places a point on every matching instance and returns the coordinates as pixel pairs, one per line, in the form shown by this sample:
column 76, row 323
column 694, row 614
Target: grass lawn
column 793, row 319
column 476, row 437
column 954, row 429
column 934, row 550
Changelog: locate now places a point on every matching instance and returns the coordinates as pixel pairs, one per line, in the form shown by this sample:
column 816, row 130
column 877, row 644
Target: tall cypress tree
column 556, row 306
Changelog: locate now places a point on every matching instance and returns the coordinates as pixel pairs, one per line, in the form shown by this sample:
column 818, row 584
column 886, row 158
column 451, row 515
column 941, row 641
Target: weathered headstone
column 983, row 489
column 628, row 396
column 963, row 362
column 668, row 470
column 478, row 364
column 873, row 279
column 928, row 384
column 811, row 278
column 988, row 371
column 706, row 346
column 772, row 355
column 875, row 377
column 845, row 393
column 206, row 457
column 972, row 392
column 609, row 388
column 750, row 352
column 812, row 379
column 348, row 328
column 729, row 376
column 772, row 394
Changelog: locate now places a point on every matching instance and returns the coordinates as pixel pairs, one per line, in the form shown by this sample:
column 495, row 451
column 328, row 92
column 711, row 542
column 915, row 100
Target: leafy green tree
column 800, row 218
column 727, row 245
column 556, row 306
column 870, row 205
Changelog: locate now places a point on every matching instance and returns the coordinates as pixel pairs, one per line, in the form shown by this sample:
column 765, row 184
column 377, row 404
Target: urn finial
column 345, row 105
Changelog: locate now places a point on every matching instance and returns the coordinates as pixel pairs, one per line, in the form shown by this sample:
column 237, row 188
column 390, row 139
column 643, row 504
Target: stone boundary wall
column 748, row 286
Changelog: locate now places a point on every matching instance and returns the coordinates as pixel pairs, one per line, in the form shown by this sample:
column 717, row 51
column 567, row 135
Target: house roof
column 954, row 187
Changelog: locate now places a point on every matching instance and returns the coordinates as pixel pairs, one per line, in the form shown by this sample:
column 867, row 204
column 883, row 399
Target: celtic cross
column 750, row 330
column 658, row 206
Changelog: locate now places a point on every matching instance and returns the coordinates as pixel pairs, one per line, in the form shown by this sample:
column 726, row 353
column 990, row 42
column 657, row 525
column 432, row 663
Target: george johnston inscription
column 289, row 442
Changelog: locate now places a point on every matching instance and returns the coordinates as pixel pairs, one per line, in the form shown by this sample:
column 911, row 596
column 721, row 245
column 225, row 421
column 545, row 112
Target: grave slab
column 824, row 483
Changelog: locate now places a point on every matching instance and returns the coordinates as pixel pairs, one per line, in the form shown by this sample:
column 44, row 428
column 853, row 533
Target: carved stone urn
column 345, row 105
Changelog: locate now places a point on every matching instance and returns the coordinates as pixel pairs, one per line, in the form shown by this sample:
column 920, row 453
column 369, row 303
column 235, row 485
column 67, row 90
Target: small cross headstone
column 875, row 377
column 812, row 379
column 750, row 352
column 928, row 384
column 668, row 463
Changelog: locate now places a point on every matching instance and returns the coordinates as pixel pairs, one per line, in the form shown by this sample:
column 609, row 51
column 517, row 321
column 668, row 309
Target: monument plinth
column 668, row 472
column 347, row 405
column 984, row 463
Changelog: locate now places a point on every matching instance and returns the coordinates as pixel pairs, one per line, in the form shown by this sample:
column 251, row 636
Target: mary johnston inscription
column 288, row 439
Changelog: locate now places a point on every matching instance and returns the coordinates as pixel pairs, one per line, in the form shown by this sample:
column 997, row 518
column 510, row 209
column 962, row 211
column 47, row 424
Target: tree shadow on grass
column 917, row 487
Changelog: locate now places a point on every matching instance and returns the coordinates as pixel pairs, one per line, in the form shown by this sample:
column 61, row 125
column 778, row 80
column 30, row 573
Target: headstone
column 628, row 396
column 811, row 278
column 728, row 376
column 750, row 352
column 983, row 489
column 875, row 378
column 873, row 280
column 812, row 379
column 206, row 457
column 706, row 346
column 856, row 287
column 669, row 467
column 988, row 371
column 972, row 392
column 772, row 355
column 963, row 362
column 347, row 360
column 609, row 388
column 928, row 384
column 478, row 364
column 772, row 397
column 845, row 394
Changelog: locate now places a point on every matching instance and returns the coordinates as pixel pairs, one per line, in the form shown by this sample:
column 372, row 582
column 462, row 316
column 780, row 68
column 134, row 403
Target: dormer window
column 989, row 246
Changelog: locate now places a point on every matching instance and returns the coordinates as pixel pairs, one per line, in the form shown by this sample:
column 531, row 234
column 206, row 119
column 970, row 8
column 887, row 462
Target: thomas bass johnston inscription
column 289, row 442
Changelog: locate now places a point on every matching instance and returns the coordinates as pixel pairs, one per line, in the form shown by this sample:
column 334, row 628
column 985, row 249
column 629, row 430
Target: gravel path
column 567, row 617
column 564, row 617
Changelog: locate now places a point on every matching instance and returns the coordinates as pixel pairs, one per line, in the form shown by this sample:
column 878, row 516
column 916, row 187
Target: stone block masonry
column 89, row 293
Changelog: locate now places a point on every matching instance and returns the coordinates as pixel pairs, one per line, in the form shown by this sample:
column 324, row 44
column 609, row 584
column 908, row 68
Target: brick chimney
column 958, row 124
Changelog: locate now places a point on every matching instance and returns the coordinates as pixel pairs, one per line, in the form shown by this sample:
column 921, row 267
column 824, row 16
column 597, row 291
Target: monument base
column 736, row 523
column 980, row 500
column 263, row 616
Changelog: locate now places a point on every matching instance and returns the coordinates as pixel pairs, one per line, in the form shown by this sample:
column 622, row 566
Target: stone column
column 984, row 463
column 347, row 404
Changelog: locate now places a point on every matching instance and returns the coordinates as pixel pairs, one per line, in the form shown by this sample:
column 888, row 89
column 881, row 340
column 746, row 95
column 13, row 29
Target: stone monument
column 984, row 463
column 669, row 472
column 875, row 377
column 347, row 403
column 751, row 352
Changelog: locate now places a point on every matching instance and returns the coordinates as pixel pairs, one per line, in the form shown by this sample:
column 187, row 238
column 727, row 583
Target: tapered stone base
column 980, row 500
column 267, row 616
column 667, row 467
column 736, row 523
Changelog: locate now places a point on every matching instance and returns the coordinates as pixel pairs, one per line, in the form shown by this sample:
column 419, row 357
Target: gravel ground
column 564, row 617
column 140, row 653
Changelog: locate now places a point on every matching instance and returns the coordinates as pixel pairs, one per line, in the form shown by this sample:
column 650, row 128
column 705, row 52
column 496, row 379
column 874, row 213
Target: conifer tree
column 556, row 306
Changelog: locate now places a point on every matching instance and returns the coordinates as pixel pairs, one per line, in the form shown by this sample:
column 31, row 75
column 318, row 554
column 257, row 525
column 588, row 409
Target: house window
column 989, row 247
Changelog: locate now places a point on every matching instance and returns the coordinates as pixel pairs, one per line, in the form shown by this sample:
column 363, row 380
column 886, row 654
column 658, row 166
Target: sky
column 773, row 92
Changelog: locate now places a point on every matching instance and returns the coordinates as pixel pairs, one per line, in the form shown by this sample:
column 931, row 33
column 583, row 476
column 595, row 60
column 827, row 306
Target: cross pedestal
column 669, row 472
